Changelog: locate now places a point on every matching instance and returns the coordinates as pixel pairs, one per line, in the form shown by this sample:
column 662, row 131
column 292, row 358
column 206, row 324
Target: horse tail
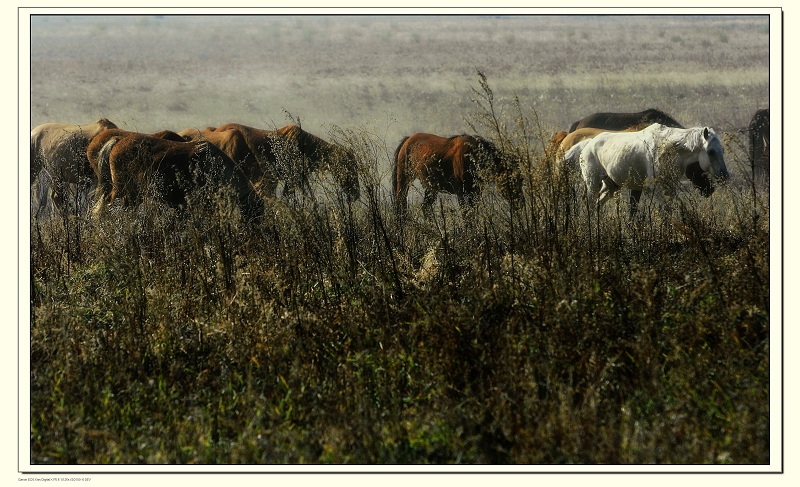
column 36, row 160
column 551, row 152
column 37, row 163
column 105, row 183
column 398, row 179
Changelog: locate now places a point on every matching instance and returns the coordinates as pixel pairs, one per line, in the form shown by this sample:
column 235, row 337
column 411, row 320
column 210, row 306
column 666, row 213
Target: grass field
column 332, row 332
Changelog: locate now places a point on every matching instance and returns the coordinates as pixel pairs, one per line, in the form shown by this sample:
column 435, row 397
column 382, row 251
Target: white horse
column 614, row 160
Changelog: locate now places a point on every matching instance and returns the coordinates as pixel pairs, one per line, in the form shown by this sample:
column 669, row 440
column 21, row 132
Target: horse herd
column 611, row 150
column 124, row 165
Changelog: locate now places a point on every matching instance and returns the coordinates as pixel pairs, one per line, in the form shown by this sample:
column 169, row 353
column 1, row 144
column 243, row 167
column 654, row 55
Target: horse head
column 340, row 161
column 345, row 171
column 508, row 181
column 105, row 123
column 712, row 157
column 654, row 115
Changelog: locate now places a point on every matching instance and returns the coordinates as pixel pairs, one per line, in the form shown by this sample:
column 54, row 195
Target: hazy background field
column 393, row 74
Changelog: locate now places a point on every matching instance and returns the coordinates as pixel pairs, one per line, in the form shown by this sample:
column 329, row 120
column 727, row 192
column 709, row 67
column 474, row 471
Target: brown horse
column 758, row 136
column 234, row 145
column 288, row 154
column 453, row 165
column 128, row 164
column 97, row 142
column 623, row 121
column 58, row 157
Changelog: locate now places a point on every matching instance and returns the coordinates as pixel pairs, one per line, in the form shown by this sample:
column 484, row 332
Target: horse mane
column 664, row 119
column 486, row 145
column 692, row 137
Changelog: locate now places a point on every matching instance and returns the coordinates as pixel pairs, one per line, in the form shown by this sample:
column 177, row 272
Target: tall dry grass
column 540, row 334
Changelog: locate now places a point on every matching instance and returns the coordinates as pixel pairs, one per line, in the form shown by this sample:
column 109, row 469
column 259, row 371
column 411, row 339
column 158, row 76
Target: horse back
column 169, row 135
column 623, row 121
column 621, row 154
column 442, row 161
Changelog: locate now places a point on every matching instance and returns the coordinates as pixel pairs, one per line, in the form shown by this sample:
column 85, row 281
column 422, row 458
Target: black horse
column 758, row 135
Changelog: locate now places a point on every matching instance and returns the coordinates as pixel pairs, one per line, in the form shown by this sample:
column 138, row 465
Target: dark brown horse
column 453, row 165
column 58, row 158
column 758, row 137
column 288, row 154
column 128, row 164
column 624, row 121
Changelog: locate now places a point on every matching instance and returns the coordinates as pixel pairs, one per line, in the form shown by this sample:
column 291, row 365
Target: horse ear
column 705, row 133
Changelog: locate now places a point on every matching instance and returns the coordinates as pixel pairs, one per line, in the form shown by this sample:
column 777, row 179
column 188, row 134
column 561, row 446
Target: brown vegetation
column 329, row 333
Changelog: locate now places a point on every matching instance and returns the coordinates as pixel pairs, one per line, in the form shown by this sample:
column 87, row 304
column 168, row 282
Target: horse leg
column 427, row 202
column 57, row 194
column 607, row 189
column 289, row 194
column 636, row 194
column 592, row 190
column 42, row 187
column 400, row 194
column 467, row 201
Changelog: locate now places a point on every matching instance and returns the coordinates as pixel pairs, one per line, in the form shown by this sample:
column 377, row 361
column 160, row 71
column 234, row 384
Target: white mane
column 691, row 139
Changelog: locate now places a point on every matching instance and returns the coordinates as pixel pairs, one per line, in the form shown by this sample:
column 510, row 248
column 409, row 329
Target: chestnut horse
column 453, row 165
column 288, row 154
column 128, row 164
column 58, row 158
